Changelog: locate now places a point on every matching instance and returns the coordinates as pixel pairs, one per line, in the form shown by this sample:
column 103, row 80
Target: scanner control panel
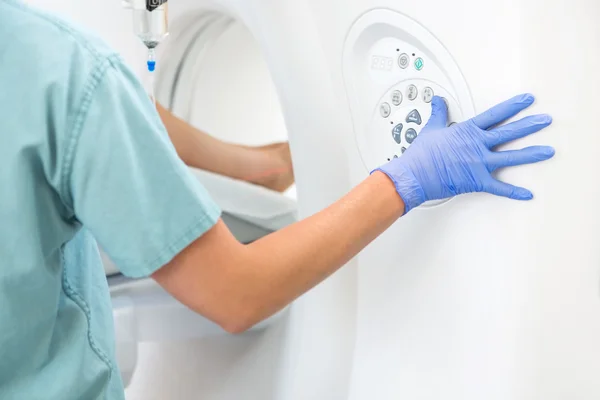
column 393, row 67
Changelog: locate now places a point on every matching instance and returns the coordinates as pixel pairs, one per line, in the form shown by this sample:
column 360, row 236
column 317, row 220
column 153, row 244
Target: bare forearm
column 302, row 255
column 286, row 264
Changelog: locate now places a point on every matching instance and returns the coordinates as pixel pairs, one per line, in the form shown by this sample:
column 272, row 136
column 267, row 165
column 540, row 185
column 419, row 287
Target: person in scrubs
column 85, row 160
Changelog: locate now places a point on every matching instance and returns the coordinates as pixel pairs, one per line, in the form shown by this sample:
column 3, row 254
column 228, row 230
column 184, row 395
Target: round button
column 385, row 110
column 410, row 135
column 403, row 60
column 427, row 94
column 396, row 97
column 419, row 64
column 412, row 92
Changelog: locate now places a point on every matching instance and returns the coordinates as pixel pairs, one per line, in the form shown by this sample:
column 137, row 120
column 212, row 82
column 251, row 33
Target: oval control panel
column 393, row 67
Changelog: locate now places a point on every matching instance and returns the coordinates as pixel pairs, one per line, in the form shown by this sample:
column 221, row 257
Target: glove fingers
column 502, row 189
column 512, row 158
column 439, row 114
column 517, row 130
column 503, row 111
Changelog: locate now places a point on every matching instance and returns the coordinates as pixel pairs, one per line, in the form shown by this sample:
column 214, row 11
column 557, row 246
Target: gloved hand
column 446, row 161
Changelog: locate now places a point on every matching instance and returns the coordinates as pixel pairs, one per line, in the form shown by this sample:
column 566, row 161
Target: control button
column 403, row 60
column 414, row 117
column 427, row 94
column 411, row 135
column 396, row 97
column 385, row 110
column 403, row 150
column 412, row 92
column 419, row 64
column 397, row 133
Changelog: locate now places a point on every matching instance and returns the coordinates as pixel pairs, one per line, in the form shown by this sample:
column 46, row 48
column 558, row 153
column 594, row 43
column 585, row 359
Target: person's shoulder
column 47, row 38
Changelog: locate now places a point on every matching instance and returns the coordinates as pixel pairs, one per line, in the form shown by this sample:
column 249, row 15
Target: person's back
column 47, row 348
column 82, row 152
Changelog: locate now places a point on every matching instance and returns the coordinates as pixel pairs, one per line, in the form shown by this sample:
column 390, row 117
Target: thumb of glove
column 439, row 114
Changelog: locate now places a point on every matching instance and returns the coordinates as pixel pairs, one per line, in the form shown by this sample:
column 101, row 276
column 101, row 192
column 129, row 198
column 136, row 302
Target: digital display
column 381, row 63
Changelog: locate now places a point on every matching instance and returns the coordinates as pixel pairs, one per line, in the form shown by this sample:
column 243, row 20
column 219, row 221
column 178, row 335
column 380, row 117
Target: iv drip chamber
column 150, row 20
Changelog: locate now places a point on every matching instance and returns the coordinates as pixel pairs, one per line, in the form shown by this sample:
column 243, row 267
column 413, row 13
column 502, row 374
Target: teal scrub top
column 84, row 159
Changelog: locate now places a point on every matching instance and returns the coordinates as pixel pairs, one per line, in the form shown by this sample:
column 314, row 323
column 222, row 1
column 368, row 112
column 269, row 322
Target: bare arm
column 239, row 285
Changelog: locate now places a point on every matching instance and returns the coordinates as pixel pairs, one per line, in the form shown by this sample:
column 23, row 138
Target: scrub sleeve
column 124, row 179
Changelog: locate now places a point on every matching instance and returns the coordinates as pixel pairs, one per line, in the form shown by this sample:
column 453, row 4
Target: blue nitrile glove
column 448, row 161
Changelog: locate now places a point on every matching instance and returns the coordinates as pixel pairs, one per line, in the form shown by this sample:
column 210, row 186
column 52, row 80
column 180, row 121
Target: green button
column 419, row 64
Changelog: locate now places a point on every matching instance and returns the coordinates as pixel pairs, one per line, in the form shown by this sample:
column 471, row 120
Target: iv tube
column 151, row 64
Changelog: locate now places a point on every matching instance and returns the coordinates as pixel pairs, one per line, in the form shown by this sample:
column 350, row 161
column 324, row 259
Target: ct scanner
column 473, row 298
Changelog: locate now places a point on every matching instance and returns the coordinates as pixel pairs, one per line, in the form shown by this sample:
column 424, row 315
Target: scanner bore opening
column 212, row 74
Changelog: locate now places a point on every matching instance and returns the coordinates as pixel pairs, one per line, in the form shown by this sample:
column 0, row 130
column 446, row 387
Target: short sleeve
column 125, row 181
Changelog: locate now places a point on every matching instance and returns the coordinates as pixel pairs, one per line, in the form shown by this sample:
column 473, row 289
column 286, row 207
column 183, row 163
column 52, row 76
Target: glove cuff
column 407, row 187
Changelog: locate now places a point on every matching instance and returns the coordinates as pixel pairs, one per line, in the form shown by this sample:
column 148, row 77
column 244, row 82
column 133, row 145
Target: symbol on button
column 395, row 156
column 403, row 150
column 412, row 92
column 403, row 60
column 427, row 94
column 419, row 64
column 411, row 135
column 396, row 97
column 397, row 133
column 385, row 110
column 414, row 117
